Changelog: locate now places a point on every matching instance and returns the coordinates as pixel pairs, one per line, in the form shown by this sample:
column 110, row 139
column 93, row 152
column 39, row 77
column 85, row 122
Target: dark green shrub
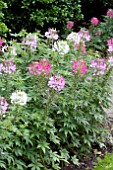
column 41, row 14
column 3, row 27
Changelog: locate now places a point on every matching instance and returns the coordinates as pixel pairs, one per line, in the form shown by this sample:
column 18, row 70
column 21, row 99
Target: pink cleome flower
column 3, row 105
column 70, row 24
column 56, row 82
column 1, row 42
column 41, row 67
column 110, row 45
column 94, row 21
column 99, row 66
column 79, row 66
column 51, row 34
column 110, row 13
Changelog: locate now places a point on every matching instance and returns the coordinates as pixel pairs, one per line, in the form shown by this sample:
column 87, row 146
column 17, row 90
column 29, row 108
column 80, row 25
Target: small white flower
column 72, row 36
column 61, row 46
column 110, row 60
column 19, row 97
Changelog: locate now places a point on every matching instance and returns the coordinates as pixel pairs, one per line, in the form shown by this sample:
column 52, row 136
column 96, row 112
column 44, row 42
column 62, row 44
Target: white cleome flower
column 72, row 36
column 61, row 46
column 19, row 97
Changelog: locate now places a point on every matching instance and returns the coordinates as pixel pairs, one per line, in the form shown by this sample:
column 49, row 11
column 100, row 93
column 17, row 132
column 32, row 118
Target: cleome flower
column 19, row 97
column 70, row 24
column 110, row 13
column 94, row 21
column 31, row 41
column 51, row 34
column 3, row 105
column 7, row 66
column 110, row 45
column 79, row 66
column 72, row 36
column 41, row 67
column 61, row 47
column 99, row 66
column 56, row 82
column 110, row 61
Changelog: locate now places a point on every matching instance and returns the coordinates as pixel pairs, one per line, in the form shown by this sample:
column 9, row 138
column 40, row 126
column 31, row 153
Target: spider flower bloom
column 110, row 13
column 56, row 82
column 19, row 97
column 79, row 66
column 70, row 24
column 10, row 67
column 51, row 34
column 84, row 35
column 110, row 60
column 31, row 41
column 62, row 47
column 110, row 45
column 72, row 36
column 41, row 67
column 99, row 66
column 3, row 105
column 94, row 21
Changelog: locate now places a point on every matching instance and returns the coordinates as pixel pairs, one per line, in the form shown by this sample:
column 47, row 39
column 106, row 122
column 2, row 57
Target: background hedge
column 41, row 14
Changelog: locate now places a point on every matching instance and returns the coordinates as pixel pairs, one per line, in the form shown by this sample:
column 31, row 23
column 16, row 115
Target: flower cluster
column 79, row 66
column 70, row 24
column 62, row 47
column 99, row 66
column 51, row 34
column 110, row 45
column 41, row 67
column 56, row 82
column 7, row 67
column 19, row 97
column 3, row 105
column 31, row 41
column 94, row 21
column 80, row 39
column 110, row 13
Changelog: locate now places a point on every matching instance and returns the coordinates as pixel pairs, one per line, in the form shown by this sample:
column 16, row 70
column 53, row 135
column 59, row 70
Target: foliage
column 3, row 27
column 106, row 163
column 33, row 15
column 52, row 101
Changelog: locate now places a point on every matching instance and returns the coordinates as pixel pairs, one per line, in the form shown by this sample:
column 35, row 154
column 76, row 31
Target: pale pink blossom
column 94, row 21
column 79, row 66
column 56, row 82
column 110, row 13
column 31, row 41
column 3, row 105
column 7, row 66
column 70, row 24
column 110, row 45
column 110, row 60
column 99, row 66
column 81, row 38
column 51, row 34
